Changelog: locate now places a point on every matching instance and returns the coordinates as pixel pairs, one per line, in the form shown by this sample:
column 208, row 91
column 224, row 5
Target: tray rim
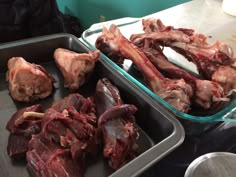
column 146, row 159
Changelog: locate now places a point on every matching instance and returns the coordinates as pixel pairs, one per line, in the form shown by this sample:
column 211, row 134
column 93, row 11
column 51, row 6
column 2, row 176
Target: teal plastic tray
column 201, row 119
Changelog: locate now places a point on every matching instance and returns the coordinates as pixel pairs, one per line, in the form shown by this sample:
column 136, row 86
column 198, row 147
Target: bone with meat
column 206, row 93
column 75, row 67
column 197, row 45
column 27, row 81
column 176, row 92
column 208, row 58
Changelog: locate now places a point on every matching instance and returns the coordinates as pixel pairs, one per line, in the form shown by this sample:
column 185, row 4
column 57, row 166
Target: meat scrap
column 117, row 123
column 75, row 67
column 176, row 92
column 27, row 81
column 21, row 127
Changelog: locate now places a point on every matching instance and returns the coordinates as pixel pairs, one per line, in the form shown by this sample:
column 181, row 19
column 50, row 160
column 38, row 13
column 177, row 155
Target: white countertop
column 201, row 15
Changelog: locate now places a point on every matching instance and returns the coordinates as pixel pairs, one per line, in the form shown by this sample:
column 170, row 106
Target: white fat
column 33, row 114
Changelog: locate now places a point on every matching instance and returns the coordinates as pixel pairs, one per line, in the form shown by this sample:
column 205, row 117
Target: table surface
column 201, row 15
column 204, row 16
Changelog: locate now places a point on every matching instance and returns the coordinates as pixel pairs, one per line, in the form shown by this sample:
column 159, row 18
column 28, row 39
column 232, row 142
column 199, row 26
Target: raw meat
column 206, row 93
column 56, row 142
column 117, row 123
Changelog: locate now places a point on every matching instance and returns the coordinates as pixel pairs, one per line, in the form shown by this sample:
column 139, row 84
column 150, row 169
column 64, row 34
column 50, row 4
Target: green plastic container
column 94, row 11
column 197, row 120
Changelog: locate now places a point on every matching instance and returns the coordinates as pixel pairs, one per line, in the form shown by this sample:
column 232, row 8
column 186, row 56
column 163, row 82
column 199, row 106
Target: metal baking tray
column 197, row 120
column 160, row 132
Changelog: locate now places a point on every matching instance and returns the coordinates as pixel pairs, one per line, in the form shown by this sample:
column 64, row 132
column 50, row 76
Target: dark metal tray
column 160, row 132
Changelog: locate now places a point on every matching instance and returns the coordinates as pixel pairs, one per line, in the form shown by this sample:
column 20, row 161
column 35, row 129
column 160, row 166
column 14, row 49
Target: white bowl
column 216, row 164
column 229, row 7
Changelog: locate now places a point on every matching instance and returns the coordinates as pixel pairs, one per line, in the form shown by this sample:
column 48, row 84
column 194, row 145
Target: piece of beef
column 21, row 127
column 56, row 142
column 17, row 145
column 47, row 159
column 75, row 100
column 27, row 81
column 75, row 67
column 69, row 131
column 107, row 96
column 117, row 123
column 20, row 121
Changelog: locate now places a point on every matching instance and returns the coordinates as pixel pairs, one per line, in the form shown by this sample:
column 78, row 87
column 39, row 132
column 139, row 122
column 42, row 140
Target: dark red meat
column 17, row 145
column 117, row 123
column 77, row 103
column 58, row 141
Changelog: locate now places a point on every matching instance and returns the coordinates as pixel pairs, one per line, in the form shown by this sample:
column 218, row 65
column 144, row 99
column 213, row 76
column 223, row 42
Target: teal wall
column 91, row 11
